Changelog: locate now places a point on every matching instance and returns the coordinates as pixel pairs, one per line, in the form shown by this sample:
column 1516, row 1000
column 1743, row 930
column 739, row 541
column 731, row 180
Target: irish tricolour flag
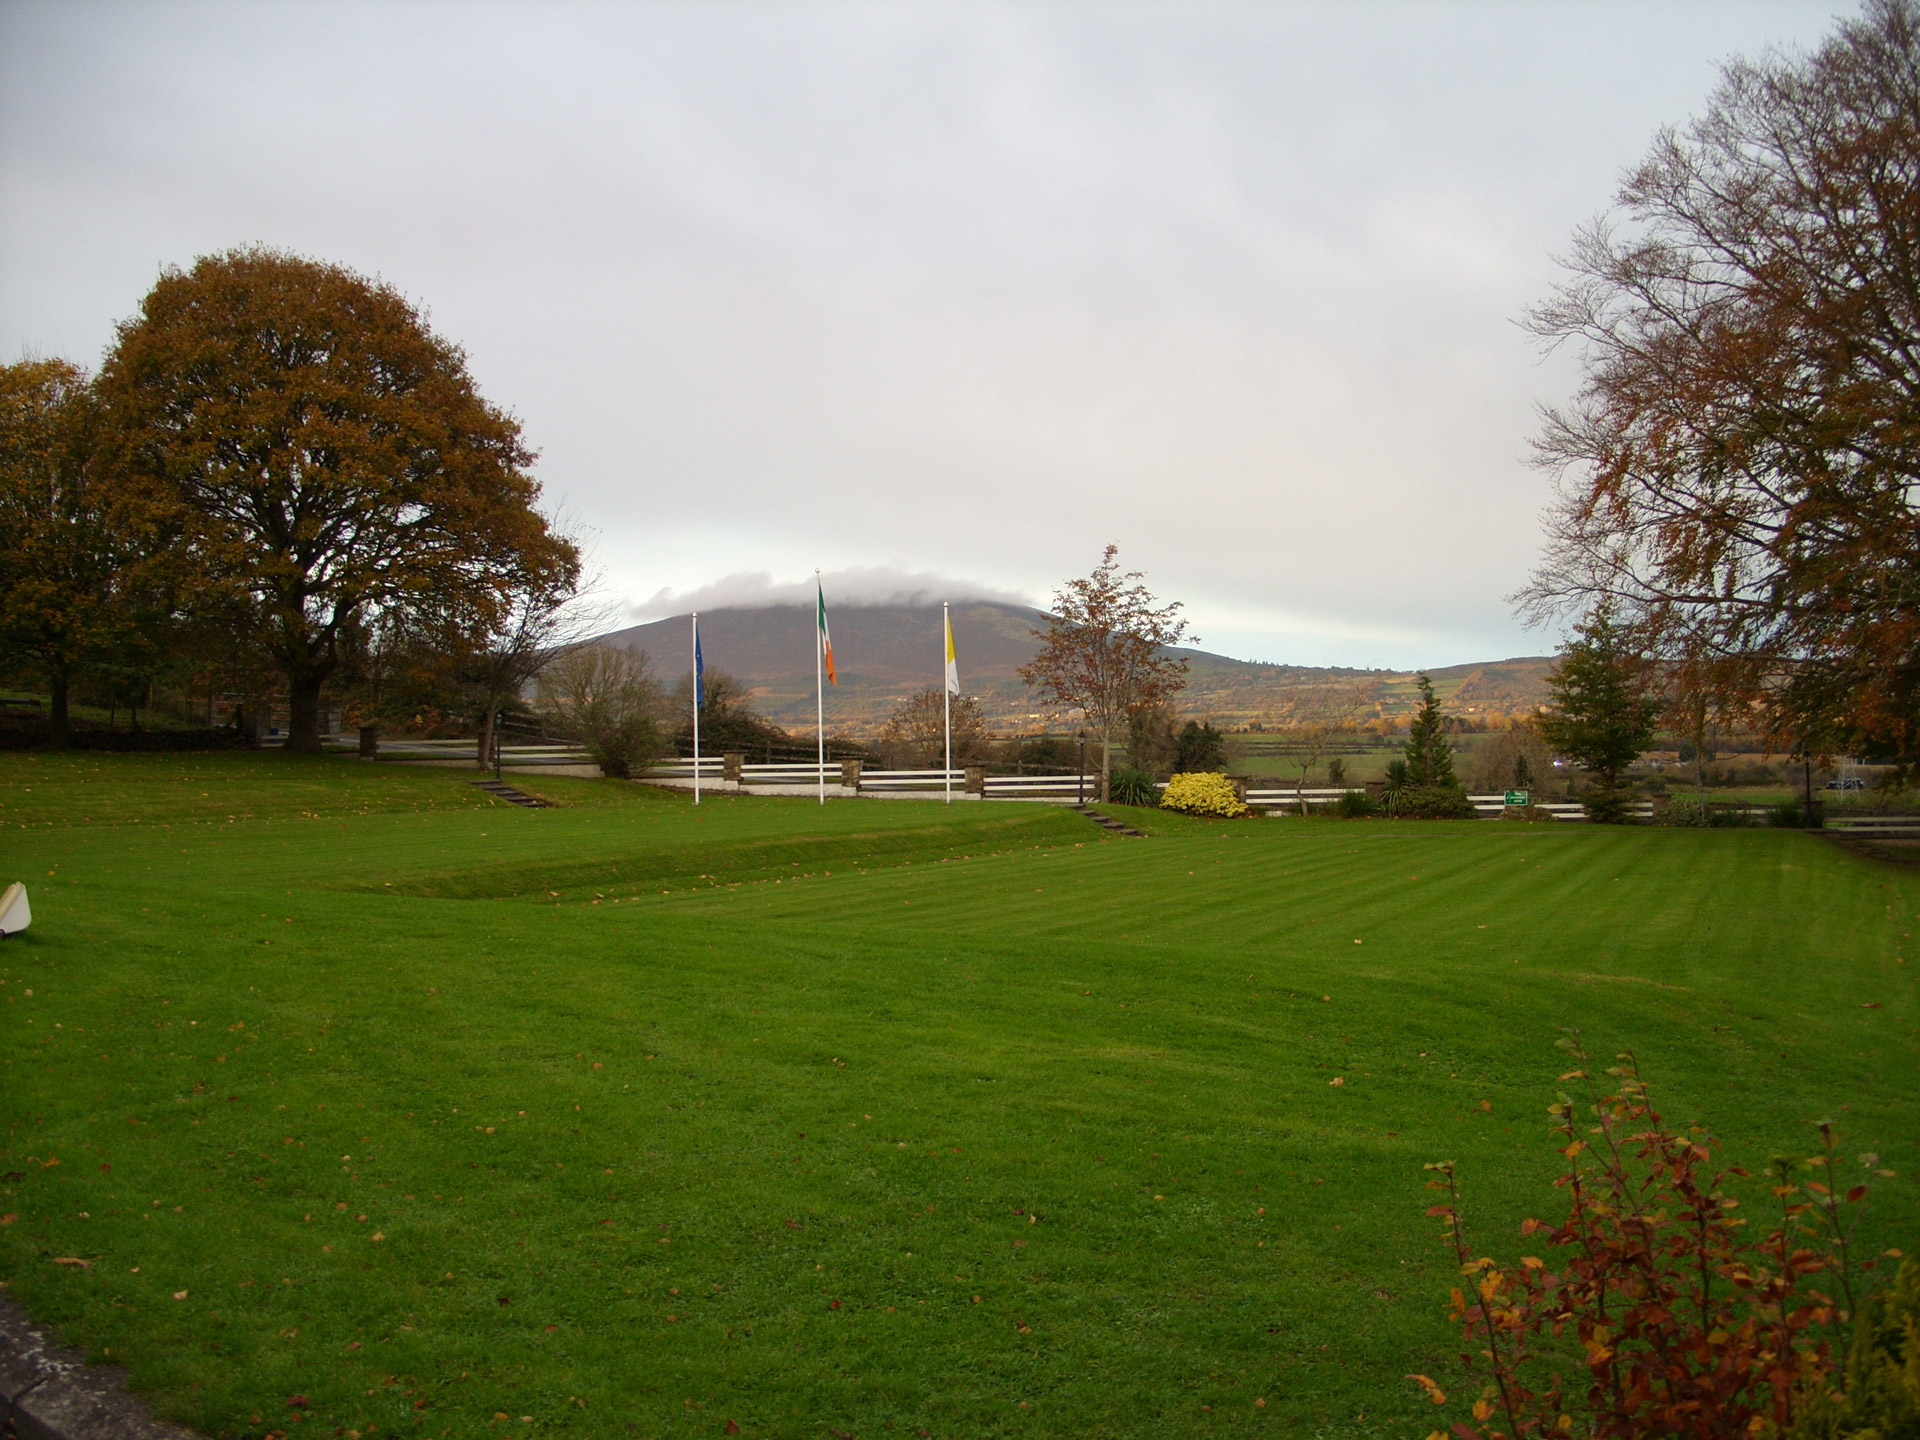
column 826, row 640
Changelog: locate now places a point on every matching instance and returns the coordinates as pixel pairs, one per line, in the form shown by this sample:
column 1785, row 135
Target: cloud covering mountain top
column 863, row 586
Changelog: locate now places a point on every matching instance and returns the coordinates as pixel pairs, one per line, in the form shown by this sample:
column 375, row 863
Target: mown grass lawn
column 624, row 1118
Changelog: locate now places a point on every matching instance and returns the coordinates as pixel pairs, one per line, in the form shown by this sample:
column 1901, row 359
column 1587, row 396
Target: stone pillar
column 976, row 782
column 850, row 775
column 1239, row 783
column 369, row 742
column 732, row 763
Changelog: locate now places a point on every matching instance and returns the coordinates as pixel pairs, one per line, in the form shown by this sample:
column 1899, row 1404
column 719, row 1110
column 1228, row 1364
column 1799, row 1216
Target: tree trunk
column 59, row 729
column 303, row 712
column 485, row 758
column 1106, row 765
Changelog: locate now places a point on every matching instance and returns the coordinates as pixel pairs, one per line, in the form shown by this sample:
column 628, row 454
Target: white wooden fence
column 1287, row 802
column 1888, row 827
column 1052, row 789
column 805, row 775
column 547, row 753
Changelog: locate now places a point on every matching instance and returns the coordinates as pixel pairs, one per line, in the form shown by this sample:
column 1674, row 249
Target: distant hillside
column 887, row 652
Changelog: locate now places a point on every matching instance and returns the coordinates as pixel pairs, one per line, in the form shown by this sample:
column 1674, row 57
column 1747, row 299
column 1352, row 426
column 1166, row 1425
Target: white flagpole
column 696, row 707
column 946, row 691
column 819, row 693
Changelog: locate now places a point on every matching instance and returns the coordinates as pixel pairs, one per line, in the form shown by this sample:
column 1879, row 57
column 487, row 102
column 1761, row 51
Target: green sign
column 1517, row 797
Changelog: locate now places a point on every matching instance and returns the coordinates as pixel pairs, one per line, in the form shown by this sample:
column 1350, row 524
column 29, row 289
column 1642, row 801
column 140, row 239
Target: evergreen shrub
column 1879, row 1398
column 1354, row 805
column 1684, row 811
column 1128, row 786
column 1435, row 802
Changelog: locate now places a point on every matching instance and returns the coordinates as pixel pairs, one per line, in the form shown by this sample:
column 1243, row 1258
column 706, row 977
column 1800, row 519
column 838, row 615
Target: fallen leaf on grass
column 297, row 1402
column 733, row 1427
column 75, row 1260
column 179, row 1294
column 8, row 1219
column 1338, row 1080
column 1434, row 1392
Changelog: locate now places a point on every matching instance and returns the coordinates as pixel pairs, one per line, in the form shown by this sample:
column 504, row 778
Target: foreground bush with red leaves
column 1686, row 1320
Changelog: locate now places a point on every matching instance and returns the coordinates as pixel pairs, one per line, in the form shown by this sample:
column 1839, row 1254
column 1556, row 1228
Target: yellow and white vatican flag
column 953, row 689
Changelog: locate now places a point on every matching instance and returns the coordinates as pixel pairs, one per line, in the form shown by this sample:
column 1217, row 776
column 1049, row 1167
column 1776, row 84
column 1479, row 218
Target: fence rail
column 545, row 752
column 929, row 782
column 1893, row 827
column 1056, row 789
column 1486, row 806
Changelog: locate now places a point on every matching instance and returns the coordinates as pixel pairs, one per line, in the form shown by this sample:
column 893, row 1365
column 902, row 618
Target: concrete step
column 1107, row 822
column 512, row 796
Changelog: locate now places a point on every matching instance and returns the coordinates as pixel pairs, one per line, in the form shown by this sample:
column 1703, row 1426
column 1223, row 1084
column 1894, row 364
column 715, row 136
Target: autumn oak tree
column 1739, row 473
column 330, row 458
column 1104, row 652
column 78, row 581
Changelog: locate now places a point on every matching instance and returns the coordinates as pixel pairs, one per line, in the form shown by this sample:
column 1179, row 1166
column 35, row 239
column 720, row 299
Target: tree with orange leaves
column 1739, row 474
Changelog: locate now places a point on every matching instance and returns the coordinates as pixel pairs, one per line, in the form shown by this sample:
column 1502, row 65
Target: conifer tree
column 1600, row 719
column 1429, row 753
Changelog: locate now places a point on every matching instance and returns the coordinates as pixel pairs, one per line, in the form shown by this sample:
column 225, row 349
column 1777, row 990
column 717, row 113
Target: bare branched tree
column 1314, row 717
column 1739, row 474
column 916, row 731
column 545, row 616
column 605, row 698
column 1105, row 652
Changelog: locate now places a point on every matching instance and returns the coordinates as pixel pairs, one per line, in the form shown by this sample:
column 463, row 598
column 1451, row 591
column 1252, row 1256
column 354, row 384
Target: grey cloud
column 867, row 585
column 942, row 289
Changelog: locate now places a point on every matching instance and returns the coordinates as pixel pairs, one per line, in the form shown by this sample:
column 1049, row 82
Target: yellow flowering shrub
column 1203, row 794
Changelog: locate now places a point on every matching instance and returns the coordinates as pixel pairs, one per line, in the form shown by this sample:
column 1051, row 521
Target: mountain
column 885, row 653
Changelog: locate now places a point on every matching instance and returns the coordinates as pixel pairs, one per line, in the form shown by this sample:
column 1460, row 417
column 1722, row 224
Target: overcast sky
column 935, row 298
